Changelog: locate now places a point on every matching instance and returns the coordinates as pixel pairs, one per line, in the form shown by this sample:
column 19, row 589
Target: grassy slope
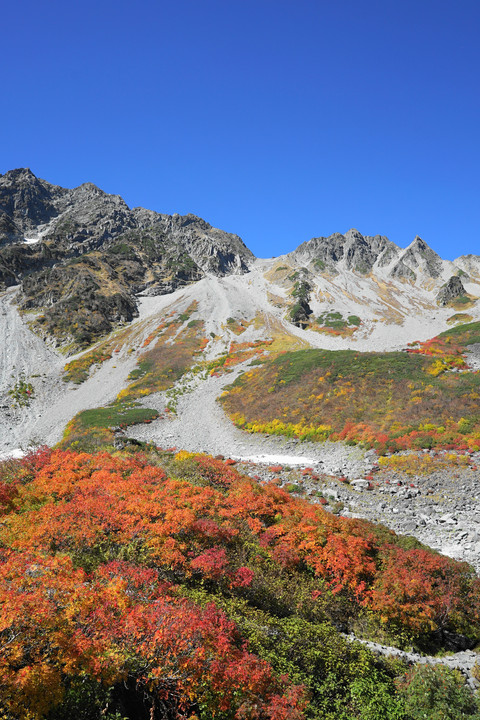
column 389, row 399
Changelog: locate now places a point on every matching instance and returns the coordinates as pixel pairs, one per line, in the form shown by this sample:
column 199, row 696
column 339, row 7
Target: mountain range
column 206, row 457
column 82, row 258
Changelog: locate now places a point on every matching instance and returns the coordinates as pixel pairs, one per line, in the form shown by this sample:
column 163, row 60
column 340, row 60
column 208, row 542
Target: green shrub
column 437, row 693
column 22, row 392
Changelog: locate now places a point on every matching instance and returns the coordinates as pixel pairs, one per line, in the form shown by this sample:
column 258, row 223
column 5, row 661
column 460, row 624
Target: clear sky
column 279, row 120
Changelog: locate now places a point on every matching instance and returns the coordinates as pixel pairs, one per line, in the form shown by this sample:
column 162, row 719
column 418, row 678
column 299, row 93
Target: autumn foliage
column 390, row 401
column 125, row 573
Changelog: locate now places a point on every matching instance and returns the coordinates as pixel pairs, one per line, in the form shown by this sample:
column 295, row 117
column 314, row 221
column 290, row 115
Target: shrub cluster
column 132, row 590
column 390, row 401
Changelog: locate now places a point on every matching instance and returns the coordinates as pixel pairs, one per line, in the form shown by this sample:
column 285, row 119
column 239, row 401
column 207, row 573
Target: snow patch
column 15, row 454
column 280, row 459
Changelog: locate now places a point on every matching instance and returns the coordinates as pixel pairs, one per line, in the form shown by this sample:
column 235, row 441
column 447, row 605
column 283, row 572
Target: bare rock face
column 62, row 246
column 418, row 258
column 26, row 200
column 352, row 251
column 9, row 231
column 212, row 250
column 451, row 290
column 362, row 255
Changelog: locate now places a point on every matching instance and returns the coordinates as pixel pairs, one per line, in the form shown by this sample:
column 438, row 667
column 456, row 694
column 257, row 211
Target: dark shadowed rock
column 451, row 290
column 64, row 245
column 27, row 200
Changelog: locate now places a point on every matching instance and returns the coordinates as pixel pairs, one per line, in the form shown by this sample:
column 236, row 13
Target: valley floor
column 200, row 424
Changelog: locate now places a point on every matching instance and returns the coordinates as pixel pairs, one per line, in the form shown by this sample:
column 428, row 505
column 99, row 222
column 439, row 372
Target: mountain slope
column 81, row 256
column 87, row 265
column 149, row 320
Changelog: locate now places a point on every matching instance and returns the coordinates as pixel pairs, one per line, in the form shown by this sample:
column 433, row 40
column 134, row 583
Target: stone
column 450, row 291
column 64, row 245
column 360, row 484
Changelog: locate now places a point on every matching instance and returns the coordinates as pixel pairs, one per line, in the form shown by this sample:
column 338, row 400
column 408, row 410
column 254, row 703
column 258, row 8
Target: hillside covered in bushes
column 425, row 397
column 162, row 585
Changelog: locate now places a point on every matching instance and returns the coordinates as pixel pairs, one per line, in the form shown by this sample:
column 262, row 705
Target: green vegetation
column 301, row 289
column 123, row 250
column 301, row 310
column 459, row 318
column 22, row 392
column 182, row 263
column 77, row 371
column 117, row 414
column 144, row 366
column 160, row 367
column 390, row 400
column 463, row 335
column 437, row 693
column 92, row 430
column 334, row 320
column 462, row 300
column 294, row 488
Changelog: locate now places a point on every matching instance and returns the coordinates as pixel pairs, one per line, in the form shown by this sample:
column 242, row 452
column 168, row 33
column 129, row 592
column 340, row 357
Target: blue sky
column 279, row 120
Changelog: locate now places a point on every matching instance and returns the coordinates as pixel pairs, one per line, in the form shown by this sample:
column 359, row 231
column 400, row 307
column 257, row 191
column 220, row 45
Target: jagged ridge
column 82, row 255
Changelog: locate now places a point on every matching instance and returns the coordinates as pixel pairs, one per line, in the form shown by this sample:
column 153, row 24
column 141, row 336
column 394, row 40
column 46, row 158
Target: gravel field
column 442, row 509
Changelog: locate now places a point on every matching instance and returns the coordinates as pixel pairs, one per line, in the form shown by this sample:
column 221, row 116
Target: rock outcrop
column 418, row 258
column 362, row 255
column 82, row 251
column 452, row 290
column 351, row 251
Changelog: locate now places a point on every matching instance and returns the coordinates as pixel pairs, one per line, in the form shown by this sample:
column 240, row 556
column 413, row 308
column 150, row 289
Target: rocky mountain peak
column 353, row 251
column 82, row 250
column 26, row 200
column 353, row 235
column 18, row 175
column 418, row 258
column 90, row 189
column 419, row 245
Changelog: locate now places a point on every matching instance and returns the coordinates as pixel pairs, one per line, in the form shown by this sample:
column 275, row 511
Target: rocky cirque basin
column 80, row 262
column 440, row 509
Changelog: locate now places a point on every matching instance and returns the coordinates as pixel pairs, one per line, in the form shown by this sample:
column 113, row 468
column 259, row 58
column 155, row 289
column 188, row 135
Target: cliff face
column 81, row 255
column 352, row 251
column 360, row 254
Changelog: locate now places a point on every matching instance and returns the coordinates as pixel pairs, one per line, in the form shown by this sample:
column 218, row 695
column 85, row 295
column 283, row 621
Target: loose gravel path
column 200, row 425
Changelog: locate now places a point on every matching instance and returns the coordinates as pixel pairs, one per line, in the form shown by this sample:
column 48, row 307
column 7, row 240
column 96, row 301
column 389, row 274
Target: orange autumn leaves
column 121, row 621
column 96, row 553
column 115, row 619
